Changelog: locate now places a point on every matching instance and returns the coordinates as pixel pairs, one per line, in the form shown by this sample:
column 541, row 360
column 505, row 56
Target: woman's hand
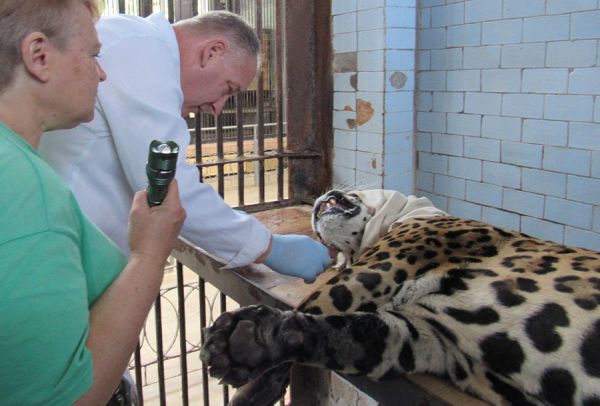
column 154, row 230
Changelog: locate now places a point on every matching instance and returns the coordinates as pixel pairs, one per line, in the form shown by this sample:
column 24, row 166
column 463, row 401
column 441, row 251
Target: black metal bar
column 171, row 10
column 182, row 336
column 159, row 353
column 223, row 300
column 202, row 293
column 121, row 6
column 194, row 8
column 216, row 5
column 220, row 157
column 279, row 94
column 138, row 373
column 239, row 114
column 260, row 119
column 145, row 7
column 198, row 139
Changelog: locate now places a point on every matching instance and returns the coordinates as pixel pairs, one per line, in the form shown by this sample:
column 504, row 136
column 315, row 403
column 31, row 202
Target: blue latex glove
column 297, row 255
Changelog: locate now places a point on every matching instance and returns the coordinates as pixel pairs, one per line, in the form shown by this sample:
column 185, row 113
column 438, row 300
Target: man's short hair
column 241, row 35
column 18, row 18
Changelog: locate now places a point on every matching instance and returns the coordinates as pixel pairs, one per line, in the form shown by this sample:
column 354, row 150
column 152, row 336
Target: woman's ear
column 36, row 52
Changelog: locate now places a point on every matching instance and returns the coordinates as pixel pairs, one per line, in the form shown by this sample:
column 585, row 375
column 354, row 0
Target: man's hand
column 297, row 255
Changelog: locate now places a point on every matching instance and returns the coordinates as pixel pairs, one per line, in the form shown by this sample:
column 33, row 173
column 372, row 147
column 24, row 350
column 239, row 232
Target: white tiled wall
column 489, row 107
column 374, row 98
column 508, row 116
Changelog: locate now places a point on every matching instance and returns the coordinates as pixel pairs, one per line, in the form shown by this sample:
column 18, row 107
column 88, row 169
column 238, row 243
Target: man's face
column 78, row 72
column 206, row 88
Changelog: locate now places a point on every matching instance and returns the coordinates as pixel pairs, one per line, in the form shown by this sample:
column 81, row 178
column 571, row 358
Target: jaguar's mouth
column 336, row 203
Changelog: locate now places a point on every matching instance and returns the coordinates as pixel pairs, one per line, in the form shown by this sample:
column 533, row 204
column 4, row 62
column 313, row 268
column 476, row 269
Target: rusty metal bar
column 138, row 373
column 159, row 352
column 309, row 95
column 253, row 208
column 252, row 158
column 260, row 119
column 182, row 336
column 239, row 114
column 279, row 94
column 223, row 299
column 202, row 298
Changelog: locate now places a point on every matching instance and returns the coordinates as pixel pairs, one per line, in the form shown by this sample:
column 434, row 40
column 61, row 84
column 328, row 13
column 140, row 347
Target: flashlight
column 160, row 168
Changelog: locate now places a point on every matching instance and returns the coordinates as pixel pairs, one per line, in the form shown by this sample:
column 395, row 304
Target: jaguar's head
column 339, row 220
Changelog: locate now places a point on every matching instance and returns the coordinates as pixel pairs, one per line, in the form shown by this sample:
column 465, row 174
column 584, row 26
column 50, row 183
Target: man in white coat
column 157, row 73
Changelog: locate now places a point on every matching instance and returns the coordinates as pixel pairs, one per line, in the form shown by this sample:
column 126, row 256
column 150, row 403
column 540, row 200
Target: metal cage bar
column 240, row 148
column 220, row 157
column 182, row 336
column 198, row 141
column 223, row 300
column 171, row 10
column 145, row 7
column 202, row 298
column 260, row 118
column 279, row 95
column 138, row 373
column 159, row 352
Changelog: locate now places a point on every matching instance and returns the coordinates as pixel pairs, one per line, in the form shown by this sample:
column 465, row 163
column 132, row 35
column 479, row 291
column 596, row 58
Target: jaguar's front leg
column 245, row 343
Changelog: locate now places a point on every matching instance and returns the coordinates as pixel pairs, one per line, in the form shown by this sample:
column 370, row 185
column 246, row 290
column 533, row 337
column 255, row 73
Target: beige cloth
column 389, row 207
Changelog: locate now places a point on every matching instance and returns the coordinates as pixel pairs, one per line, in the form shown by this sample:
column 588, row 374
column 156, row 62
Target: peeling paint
column 364, row 111
column 348, row 108
column 354, row 81
column 345, row 62
column 398, row 80
column 351, row 123
column 374, row 163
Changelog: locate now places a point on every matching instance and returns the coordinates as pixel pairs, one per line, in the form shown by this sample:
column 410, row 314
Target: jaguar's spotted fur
column 506, row 317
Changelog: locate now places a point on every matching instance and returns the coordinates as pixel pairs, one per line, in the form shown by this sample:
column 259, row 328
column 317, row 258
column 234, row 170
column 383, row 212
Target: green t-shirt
column 54, row 264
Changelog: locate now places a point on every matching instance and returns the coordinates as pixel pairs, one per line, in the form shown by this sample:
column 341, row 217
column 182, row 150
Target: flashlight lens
column 164, row 149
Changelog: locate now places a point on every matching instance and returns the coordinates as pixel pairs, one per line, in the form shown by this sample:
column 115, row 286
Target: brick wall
column 508, row 114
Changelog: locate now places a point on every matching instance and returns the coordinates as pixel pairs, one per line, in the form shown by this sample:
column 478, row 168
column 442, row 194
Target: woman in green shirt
column 71, row 306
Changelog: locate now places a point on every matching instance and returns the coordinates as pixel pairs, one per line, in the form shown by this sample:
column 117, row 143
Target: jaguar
column 506, row 317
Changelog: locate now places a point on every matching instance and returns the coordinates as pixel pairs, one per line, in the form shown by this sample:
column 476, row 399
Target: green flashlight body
column 160, row 169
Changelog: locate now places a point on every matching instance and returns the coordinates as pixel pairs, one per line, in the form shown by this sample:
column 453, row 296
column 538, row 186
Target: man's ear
column 36, row 54
column 213, row 50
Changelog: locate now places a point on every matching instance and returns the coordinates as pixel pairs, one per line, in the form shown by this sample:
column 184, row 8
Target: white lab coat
column 103, row 161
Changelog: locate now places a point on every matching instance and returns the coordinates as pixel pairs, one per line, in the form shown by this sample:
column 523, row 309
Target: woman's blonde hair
column 18, row 18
